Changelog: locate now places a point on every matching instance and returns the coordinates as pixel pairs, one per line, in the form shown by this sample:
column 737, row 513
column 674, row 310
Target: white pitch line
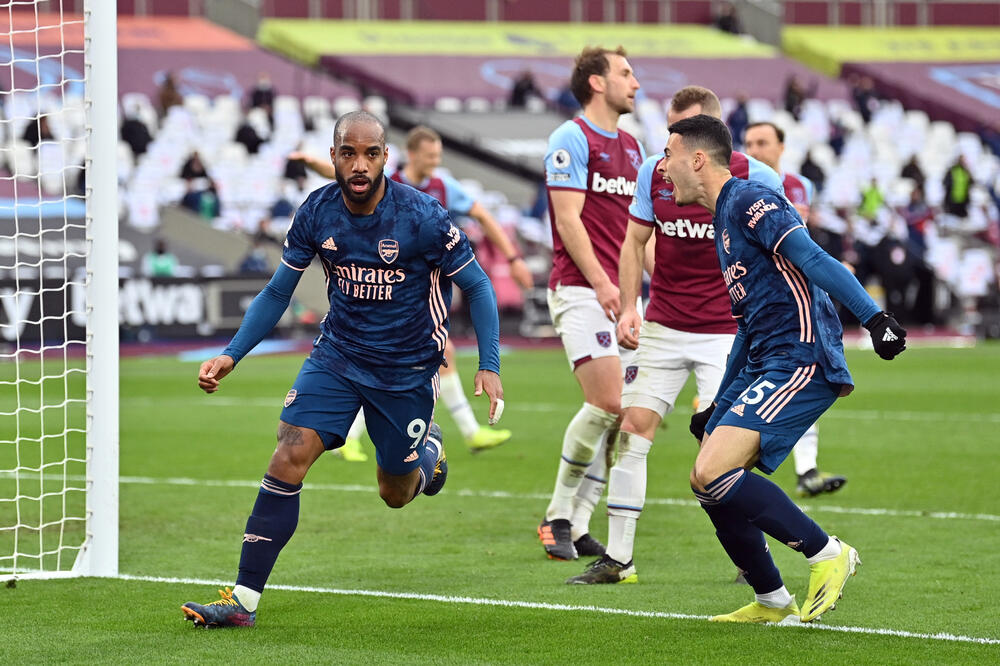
column 503, row 494
column 541, row 605
column 545, row 407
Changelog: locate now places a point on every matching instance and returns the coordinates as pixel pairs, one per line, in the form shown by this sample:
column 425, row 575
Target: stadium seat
column 342, row 105
column 448, row 104
column 377, row 106
column 478, row 105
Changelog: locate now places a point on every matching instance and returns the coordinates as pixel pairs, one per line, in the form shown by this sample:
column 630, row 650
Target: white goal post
column 58, row 241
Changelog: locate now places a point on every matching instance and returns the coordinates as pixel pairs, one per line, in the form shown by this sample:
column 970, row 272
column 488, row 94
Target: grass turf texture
column 917, row 437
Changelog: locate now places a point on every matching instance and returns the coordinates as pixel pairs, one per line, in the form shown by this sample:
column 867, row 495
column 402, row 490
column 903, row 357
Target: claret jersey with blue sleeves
column 388, row 281
column 788, row 320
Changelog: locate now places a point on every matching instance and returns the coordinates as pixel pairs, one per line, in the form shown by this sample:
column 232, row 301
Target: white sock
column 830, row 550
column 358, row 427
column 777, row 599
column 626, row 488
column 806, row 450
column 454, row 399
column 247, row 597
column 590, row 491
column 583, row 438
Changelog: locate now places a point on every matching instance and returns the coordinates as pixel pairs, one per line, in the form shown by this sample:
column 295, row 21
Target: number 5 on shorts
column 755, row 392
column 416, row 429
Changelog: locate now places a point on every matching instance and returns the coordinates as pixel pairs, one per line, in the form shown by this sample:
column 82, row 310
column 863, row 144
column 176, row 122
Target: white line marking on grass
column 546, row 407
column 541, row 605
column 503, row 494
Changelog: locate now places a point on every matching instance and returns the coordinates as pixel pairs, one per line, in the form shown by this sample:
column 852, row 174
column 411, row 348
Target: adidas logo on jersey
column 617, row 185
column 411, row 457
column 738, row 409
column 328, row 244
column 889, row 336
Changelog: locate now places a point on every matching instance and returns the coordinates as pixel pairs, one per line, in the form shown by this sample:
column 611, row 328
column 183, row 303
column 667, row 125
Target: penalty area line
column 541, row 605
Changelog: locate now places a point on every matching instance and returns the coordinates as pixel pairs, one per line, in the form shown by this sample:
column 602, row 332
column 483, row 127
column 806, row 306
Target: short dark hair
column 592, row 60
column 778, row 132
column 351, row 118
column 708, row 133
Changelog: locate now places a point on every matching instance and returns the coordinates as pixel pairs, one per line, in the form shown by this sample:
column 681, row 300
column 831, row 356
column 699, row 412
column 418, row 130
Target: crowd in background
column 889, row 230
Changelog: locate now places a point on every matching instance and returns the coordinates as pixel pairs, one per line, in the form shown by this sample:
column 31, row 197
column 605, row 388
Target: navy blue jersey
column 387, row 277
column 788, row 320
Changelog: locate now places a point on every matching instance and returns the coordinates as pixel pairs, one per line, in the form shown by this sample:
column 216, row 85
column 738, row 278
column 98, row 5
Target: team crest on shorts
column 630, row 373
column 290, row 397
column 604, row 338
column 388, row 249
column 725, row 240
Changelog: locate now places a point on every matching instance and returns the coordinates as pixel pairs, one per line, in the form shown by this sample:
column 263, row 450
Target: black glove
column 698, row 422
column 888, row 337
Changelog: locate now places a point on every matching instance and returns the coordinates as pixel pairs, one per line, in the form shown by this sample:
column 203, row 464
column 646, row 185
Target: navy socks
column 270, row 526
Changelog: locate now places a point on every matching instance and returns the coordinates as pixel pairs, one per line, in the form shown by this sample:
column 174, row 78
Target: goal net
column 58, row 289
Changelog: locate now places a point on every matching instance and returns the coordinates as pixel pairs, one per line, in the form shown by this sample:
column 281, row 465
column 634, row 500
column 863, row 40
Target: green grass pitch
column 462, row 579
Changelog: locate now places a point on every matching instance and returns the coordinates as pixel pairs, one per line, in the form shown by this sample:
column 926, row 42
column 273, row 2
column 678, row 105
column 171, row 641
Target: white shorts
column 586, row 331
column 663, row 362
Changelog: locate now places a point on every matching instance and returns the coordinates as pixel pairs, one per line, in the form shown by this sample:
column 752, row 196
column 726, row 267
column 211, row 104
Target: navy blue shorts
column 397, row 421
column 779, row 404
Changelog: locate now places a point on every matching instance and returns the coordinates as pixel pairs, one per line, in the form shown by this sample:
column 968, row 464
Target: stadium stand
column 497, row 152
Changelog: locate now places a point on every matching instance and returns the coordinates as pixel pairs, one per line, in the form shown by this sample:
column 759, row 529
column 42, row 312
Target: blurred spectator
column 567, row 102
column 135, row 133
column 813, row 172
column 837, row 137
column 727, row 20
column 865, row 96
column 295, row 169
column 159, row 262
column 957, row 185
column 872, row 201
column 918, row 215
column 913, row 171
column 991, row 138
column 255, row 262
column 36, row 132
column 795, row 95
column 523, row 88
column 248, row 136
column 169, row 95
column 193, row 168
column 738, row 121
column 262, row 95
column 203, row 199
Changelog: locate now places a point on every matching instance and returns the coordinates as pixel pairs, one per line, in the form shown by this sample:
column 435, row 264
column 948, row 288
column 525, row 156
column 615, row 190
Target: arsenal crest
column 388, row 249
column 725, row 240
column 630, row 373
column 290, row 397
column 604, row 338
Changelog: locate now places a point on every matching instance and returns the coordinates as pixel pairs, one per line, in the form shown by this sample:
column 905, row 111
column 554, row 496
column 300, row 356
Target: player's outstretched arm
column 495, row 234
column 264, row 312
column 321, row 166
column 483, row 308
column 888, row 337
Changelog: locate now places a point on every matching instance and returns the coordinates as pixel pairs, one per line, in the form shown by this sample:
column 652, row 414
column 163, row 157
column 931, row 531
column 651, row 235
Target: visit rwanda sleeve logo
column 453, row 238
